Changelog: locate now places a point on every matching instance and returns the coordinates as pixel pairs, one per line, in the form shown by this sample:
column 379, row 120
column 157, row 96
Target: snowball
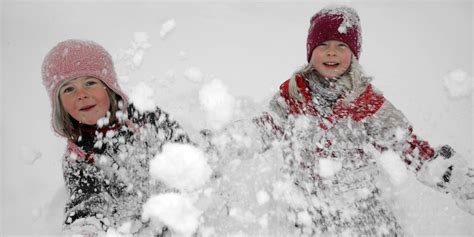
column 141, row 97
column 181, row 166
column 393, row 166
column 167, row 27
column 217, row 102
column 329, row 167
column 193, row 74
column 458, row 84
column 174, row 210
column 262, row 197
column 29, row 155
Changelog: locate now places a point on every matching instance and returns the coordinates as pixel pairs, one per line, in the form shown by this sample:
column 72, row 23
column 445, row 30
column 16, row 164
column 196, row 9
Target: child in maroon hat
column 334, row 124
column 110, row 143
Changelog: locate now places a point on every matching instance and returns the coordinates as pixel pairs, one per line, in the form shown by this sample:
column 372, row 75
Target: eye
column 67, row 90
column 342, row 45
column 323, row 44
column 90, row 83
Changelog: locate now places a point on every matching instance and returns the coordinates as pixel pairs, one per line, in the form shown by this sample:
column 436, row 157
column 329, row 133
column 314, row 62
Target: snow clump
column 181, row 166
column 458, row 84
column 167, row 27
column 174, row 210
column 142, row 97
column 218, row 103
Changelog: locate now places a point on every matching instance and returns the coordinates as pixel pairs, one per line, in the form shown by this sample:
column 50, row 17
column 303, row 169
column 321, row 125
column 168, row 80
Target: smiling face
column 331, row 58
column 85, row 99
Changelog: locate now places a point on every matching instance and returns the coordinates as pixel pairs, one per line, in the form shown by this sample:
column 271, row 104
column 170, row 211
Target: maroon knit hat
column 335, row 23
column 72, row 59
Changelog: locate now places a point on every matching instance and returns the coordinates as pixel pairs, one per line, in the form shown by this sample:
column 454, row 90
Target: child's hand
column 449, row 173
column 464, row 195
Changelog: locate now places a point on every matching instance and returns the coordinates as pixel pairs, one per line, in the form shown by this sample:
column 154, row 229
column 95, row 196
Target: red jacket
column 364, row 107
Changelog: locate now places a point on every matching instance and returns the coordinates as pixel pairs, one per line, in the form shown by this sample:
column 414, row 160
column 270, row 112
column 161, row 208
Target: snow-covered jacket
column 108, row 185
column 331, row 153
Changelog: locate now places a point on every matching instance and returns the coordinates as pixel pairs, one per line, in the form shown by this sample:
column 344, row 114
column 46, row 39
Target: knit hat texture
column 72, row 59
column 335, row 23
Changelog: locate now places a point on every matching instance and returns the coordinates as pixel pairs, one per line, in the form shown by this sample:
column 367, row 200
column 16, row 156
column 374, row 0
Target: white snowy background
column 181, row 55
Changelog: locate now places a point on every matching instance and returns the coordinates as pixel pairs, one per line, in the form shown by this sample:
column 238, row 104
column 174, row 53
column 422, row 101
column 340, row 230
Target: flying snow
column 128, row 60
column 174, row 210
column 329, row 167
column 167, row 27
column 181, row 166
column 193, row 74
column 393, row 166
column 218, row 103
column 458, row 84
column 142, row 97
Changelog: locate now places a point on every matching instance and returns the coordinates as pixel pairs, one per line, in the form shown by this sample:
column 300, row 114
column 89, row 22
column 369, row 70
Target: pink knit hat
column 72, row 59
column 335, row 23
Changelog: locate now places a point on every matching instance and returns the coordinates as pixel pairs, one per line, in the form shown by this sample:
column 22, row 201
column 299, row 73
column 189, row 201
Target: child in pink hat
column 110, row 143
column 334, row 124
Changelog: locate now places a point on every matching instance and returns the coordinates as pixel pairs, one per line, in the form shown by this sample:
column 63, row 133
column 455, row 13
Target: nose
column 81, row 94
column 331, row 50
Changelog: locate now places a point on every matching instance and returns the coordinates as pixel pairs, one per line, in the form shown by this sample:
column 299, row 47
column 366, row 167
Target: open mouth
column 87, row 108
column 331, row 64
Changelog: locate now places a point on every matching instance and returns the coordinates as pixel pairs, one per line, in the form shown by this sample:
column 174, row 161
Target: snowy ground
column 181, row 55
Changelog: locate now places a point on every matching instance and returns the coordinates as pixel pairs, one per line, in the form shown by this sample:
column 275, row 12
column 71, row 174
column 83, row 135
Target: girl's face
column 85, row 99
column 331, row 58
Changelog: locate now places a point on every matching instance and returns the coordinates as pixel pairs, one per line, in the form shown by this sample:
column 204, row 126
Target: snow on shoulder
column 181, row 166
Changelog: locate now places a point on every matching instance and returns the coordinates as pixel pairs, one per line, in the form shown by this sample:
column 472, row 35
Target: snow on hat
column 335, row 23
column 72, row 59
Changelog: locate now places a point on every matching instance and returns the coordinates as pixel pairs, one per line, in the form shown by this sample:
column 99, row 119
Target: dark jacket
column 109, row 182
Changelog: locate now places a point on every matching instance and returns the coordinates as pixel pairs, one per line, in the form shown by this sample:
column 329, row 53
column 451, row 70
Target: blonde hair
column 70, row 127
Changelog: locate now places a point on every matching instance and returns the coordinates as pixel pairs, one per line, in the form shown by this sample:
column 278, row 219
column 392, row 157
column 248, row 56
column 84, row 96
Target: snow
column 328, row 167
column 349, row 18
column 250, row 64
column 262, row 197
column 458, row 84
column 129, row 60
column 217, row 102
column 142, row 97
column 167, row 27
column 174, row 210
column 181, row 166
column 394, row 166
column 193, row 74
column 29, row 155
